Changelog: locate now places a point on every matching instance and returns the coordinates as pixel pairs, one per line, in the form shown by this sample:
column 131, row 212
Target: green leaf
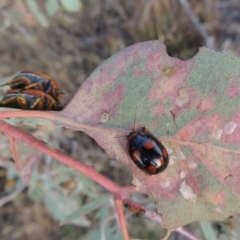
column 93, row 235
column 72, row 5
column 109, row 230
column 86, row 208
column 32, row 5
column 52, row 7
column 208, row 230
column 37, row 194
column 60, row 206
column 102, row 213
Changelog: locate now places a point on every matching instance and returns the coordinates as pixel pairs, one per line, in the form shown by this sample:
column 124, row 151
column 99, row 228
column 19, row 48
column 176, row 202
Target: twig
column 167, row 235
column 8, row 16
column 119, row 207
column 55, row 117
column 12, row 195
column 187, row 234
column 61, row 157
column 208, row 40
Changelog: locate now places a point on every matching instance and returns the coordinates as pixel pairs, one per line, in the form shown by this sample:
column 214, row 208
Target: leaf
column 52, row 7
column 25, row 157
column 71, row 6
column 208, row 230
column 191, row 106
column 37, row 194
column 61, row 206
column 83, row 210
column 37, row 13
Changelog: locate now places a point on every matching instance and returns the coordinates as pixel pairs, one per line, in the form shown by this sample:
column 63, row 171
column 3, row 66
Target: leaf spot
column 218, row 210
column 216, row 133
column 192, row 165
column 169, row 71
column 165, row 183
column 182, row 174
column 230, row 127
column 187, row 192
column 180, row 155
column 169, row 150
column 137, row 183
column 104, row 117
column 171, row 160
column 79, row 119
column 182, row 99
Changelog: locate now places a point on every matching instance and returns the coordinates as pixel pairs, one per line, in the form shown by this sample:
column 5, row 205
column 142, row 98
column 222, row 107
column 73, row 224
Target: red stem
column 55, row 117
column 60, row 156
column 119, row 207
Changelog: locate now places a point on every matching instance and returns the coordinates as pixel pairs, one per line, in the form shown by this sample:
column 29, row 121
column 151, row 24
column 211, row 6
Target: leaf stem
column 61, row 157
column 119, row 207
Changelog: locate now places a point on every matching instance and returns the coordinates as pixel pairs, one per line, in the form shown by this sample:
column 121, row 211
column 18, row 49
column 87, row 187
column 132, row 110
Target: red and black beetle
column 30, row 100
column 35, row 80
column 147, row 152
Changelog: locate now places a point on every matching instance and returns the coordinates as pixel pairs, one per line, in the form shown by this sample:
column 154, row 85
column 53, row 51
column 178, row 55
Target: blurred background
column 68, row 39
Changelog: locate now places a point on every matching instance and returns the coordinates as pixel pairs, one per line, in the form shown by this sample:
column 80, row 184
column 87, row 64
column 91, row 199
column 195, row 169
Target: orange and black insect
column 69, row 185
column 134, row 207
column 147, row 152
column 37, row 81
column 30, row 99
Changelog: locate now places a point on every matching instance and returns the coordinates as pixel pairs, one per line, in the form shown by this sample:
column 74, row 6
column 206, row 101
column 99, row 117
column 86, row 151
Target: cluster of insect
column 32, row 91
column 147, row 152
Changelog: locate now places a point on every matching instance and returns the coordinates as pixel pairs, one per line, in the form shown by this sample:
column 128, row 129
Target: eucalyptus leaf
column 52, row 7
column 60, row 206
column 86, row 208
column 208, row 230
column 71, row 6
